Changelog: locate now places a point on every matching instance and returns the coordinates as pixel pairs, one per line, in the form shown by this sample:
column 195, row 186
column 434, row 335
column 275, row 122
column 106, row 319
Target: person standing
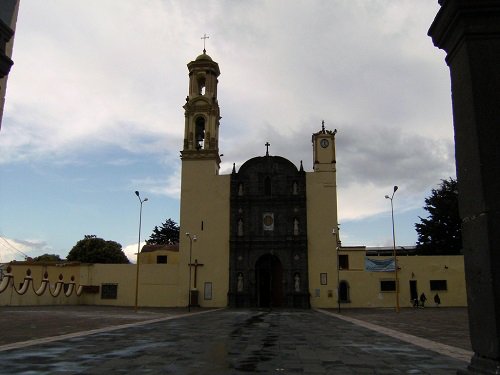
column 423, row 298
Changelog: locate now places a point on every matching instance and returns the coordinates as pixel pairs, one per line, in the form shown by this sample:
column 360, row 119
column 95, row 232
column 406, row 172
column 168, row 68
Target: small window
column 439, row 285
column 387, row 285
column 343, row 262
column 109, row 291
column 161, row 259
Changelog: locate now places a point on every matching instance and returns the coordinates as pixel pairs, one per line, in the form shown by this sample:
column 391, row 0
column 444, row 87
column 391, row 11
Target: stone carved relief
column 8, row 280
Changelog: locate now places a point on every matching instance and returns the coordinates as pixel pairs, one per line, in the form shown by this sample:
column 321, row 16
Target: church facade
column 266, row 234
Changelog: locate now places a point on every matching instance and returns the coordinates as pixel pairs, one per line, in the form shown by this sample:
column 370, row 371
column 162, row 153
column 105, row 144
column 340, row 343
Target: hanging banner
column 379, row 265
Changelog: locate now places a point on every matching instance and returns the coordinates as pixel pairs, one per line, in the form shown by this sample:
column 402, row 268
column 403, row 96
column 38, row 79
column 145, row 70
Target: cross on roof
column 204, row 37
column 267, row 148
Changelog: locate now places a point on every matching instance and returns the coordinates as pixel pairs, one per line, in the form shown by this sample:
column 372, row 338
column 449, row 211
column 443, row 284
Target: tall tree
column 440, row 233
column 167, row 234
column 96, row 250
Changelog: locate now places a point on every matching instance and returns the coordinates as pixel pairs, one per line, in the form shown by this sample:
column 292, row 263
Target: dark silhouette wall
column 469, row 32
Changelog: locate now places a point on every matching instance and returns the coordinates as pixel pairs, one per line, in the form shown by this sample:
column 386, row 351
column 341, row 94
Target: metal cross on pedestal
column 267, row 148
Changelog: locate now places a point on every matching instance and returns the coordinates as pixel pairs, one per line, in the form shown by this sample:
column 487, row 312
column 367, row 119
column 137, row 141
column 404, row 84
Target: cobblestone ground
column 447, row 325
column 231, row 342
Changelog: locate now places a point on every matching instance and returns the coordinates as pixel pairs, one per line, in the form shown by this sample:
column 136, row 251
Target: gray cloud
column 115, row 73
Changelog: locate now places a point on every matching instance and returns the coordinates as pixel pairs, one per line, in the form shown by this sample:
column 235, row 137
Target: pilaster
column 469, row 32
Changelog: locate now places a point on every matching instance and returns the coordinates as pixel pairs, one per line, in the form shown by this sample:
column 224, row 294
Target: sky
column 94, row 110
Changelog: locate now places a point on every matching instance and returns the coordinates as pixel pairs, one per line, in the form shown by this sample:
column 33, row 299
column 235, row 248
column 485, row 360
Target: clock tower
column 322, row 218
column 324, row 150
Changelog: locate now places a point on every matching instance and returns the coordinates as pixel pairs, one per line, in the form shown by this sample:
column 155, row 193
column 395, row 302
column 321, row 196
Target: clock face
column 324, row 143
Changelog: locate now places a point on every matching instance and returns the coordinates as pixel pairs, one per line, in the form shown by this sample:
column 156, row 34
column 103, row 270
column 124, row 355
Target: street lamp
column 394, row 247
column 191, row 239
column 337, row 247
column 138, row 250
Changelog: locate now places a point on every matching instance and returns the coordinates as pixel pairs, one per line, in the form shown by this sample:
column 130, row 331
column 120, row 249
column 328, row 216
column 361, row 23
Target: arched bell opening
column 200, row 132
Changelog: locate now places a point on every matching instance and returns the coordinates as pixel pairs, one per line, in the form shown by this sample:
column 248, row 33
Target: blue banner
column 379, row 265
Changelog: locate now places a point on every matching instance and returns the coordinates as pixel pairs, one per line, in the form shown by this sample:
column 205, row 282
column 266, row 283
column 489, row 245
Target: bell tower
column 202, row 114
column 204, row 205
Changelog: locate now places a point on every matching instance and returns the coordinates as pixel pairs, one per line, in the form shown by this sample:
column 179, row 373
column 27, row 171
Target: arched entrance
column 269, row 281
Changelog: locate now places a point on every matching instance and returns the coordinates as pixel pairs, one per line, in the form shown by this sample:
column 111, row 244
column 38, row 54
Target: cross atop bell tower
column 202, row 114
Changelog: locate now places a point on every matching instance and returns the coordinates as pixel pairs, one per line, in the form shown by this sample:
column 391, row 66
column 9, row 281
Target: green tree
column 167, row 234
column 440, row 233
column 47, row 258
column 96, row 250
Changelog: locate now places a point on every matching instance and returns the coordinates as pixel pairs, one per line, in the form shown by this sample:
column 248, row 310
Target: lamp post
column 394, row 247
column 138, row 250
column 337, row 247
column 191, row 239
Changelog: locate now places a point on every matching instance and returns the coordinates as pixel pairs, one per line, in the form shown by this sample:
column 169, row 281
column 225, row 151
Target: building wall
column 151, row 257
column 8, row 14
column 10, row 298
column 364, row 286
column 321, row 220
column 204, row 213
column 159, row 283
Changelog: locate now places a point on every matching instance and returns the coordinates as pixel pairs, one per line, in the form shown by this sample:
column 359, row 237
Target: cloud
column 131, row 251
column 16, row 249
column 96, row 76
column 169, row 186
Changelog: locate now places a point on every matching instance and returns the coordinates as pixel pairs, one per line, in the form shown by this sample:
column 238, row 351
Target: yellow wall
column 10, row 297
column 204, row 199
column 322, row 243
column 150, row 256
column 364, row 286
column 159, row 284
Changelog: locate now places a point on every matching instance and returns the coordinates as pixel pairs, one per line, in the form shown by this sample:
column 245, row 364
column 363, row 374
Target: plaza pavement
column 114, row 340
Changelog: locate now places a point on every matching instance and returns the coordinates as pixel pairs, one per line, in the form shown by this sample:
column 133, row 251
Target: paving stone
column 230, row 342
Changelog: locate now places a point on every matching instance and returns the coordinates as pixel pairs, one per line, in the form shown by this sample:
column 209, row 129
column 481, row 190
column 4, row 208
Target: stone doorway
column 269, row 281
